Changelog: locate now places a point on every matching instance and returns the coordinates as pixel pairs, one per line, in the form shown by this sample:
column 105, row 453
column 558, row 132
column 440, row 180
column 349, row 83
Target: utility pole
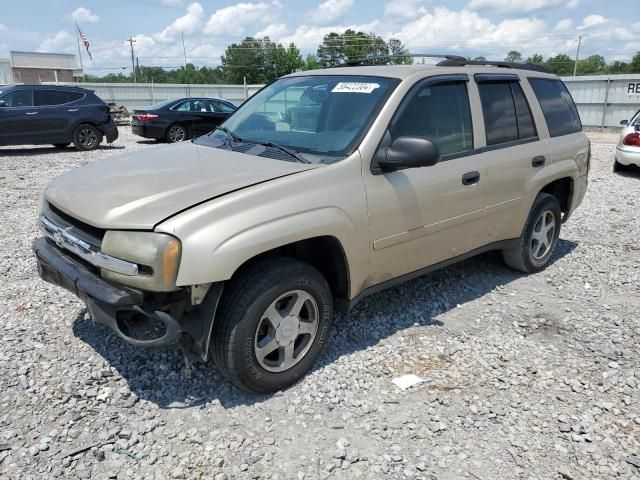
column 575, row 65
column 131, row 41
column 186, row 72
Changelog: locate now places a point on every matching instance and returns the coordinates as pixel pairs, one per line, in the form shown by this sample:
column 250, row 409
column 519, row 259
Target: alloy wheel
column 286, row 331
column 87, row 137
column 177, row 134
column 543, row 235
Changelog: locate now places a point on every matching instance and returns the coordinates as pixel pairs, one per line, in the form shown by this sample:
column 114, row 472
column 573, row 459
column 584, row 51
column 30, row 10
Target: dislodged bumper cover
column 103, row 299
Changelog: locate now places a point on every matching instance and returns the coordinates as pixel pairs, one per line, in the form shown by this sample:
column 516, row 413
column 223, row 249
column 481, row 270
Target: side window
column 507, row 116
column 526, row 127
column 19, row 98
column 440, row 113
column 184, row 107
column 75, row 96
column 499, row 112
column 557, row 106
column 50, row 97
column 222, row 107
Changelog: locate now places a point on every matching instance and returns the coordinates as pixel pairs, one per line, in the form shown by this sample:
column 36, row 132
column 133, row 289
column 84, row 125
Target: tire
column 618, row 167
column 269, row 290
column 176, row 133
column 61, row 145
column 87, row 137
column 530, row 254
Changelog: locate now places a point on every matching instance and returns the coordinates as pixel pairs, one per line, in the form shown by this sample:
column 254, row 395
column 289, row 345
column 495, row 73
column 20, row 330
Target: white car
column 628, row 149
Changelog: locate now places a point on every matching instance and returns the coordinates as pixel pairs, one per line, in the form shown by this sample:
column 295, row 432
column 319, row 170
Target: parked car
column 628, row 148
column 181, row 119
column 47, row 114
column 241, row 244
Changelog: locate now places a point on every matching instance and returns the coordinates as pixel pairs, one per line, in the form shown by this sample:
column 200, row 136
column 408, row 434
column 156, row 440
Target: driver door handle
column 31, row 113
column 470, row 178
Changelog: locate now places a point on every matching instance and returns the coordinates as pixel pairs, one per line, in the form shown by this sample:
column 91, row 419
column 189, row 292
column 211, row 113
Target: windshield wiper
column 236, row 138
column 288, row 151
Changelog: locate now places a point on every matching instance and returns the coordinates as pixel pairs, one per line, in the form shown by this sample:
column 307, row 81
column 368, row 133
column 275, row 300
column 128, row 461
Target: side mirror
column 410, row 152
column 624, row 123
column 3, row 103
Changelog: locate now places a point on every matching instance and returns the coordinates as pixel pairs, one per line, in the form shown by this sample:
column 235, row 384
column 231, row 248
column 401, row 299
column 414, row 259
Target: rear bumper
column 628, row 155
column 106, row 302
column 110, row 131
column 148, row 131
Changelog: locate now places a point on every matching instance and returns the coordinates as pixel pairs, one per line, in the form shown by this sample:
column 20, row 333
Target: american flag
column 85, row 41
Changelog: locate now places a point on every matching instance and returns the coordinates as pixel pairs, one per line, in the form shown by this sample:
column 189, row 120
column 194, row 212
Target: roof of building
column 58, row 61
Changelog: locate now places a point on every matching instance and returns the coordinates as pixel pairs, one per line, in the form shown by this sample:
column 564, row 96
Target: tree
column 398, row 51
column 513, row 56
column 592, row 65
column 561, row 64
column 244, row 61
column 312, row 62
column 535, row 59
column 337, row 48
column 634, row 66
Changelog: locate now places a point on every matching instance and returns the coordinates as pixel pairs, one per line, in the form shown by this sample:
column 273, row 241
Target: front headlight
column 157, row 256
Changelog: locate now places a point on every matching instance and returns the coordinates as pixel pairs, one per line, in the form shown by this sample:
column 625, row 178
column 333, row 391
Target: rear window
column 557, row 105
column 55, row 97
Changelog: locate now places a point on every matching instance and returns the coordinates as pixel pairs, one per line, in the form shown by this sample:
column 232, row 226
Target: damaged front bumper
column 119, row 307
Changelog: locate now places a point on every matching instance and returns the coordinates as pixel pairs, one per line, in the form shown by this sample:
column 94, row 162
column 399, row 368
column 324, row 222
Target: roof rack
column 448, row 61
column 360, row 61
column 461, row 62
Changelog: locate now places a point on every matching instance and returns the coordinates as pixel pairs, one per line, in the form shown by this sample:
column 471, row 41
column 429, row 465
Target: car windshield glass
column 317, row 115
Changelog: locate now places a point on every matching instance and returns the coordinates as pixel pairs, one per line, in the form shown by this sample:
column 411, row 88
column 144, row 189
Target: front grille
column 81, row 230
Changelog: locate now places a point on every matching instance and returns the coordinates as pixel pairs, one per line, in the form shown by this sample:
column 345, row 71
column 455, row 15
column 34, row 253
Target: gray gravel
column 526, row 377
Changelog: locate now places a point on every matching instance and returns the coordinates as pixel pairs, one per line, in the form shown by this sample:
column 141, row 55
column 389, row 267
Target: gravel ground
column 526, row 377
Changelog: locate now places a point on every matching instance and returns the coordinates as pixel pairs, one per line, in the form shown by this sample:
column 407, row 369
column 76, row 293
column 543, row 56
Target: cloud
column 171, row 3
column 62, row 41
column 565, row 25
column 234, row 20
column 509, row 6
column 3, row 27
column 188, row 24
column 404, row 9
column 309, row 37
column 84, row 15
column 330, row 11
column 273, row 31
column 592, row 21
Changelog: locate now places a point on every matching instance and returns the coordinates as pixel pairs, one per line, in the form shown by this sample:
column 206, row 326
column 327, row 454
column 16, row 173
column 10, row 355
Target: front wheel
column 272, row 325
column 87, row 137
column 535, row 247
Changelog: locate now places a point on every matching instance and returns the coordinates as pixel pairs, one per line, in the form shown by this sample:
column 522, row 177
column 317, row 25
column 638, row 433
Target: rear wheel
column 272, row 324
column 61, row 145
column 535, row 247
column 87, row 137
column 176, row 133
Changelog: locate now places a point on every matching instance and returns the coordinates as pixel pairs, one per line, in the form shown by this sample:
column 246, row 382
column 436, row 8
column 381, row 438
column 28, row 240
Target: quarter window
column 507, row 117
column 557, row 106
column 221, row 107
column 439, row 112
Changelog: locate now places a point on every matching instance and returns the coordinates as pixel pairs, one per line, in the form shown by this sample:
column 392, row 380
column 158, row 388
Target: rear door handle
column 538, row 161
column 31, row 113
column 470, row 178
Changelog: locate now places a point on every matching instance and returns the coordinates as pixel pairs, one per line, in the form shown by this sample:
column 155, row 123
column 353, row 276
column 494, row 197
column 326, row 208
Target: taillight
column 144, row 117
column 632, row 140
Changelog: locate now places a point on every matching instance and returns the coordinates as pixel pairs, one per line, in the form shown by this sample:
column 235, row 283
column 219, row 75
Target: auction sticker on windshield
column 355, row 87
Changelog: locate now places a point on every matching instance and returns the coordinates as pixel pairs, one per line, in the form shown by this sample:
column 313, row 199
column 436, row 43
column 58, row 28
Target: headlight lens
column 158, row 252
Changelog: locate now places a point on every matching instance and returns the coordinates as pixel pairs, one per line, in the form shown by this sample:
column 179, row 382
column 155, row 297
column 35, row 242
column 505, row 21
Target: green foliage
column 337, row 48
column 513, row 56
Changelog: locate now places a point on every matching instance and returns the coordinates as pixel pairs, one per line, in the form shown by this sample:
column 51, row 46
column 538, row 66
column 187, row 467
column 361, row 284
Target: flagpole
column 79, row 51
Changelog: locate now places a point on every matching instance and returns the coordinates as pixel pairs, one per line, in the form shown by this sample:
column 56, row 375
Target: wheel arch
column 325, row 253
column 561, row 188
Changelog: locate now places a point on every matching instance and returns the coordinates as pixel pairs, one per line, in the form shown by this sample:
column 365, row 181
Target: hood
column 140, row 189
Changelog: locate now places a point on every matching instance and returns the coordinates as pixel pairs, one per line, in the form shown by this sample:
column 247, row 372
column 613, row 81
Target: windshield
column 316, row 115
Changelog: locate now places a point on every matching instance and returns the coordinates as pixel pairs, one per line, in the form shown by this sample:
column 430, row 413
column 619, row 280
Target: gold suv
column 323, row 188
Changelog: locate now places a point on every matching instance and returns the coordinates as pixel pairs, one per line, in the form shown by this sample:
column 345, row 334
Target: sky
column 489, row 28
